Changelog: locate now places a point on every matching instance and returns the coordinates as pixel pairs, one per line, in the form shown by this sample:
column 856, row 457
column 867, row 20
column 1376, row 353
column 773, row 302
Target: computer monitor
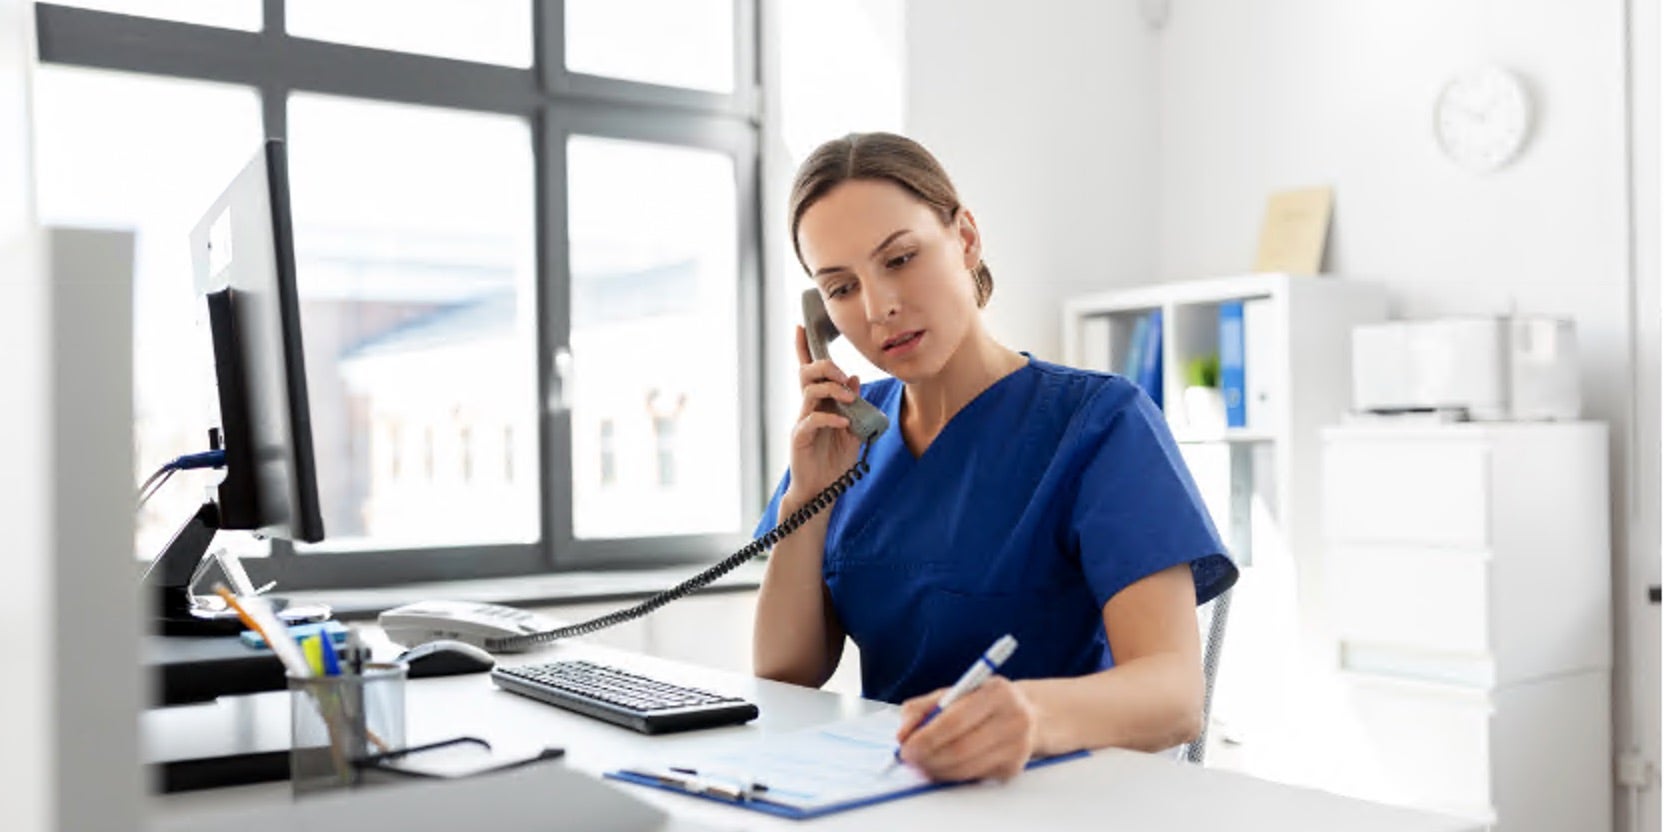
column 243, row 254
column 243, row 257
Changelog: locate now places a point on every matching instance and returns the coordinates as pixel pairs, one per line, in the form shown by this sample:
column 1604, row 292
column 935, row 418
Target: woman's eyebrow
column 825, row 270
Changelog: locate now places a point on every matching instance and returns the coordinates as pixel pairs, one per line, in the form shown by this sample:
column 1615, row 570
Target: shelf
column 1245, row 435
column 1183, row 293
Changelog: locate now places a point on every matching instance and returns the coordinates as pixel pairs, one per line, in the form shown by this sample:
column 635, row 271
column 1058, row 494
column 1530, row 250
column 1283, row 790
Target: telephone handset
column 865, row 420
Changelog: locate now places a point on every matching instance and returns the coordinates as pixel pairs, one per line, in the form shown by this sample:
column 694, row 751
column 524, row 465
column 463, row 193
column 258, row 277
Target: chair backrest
column 1219, row 610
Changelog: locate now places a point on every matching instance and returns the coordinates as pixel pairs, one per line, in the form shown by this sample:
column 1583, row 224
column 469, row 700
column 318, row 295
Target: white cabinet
column 1467, row 575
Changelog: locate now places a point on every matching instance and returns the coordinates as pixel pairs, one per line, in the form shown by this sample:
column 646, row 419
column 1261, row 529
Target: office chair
column 1218, row 611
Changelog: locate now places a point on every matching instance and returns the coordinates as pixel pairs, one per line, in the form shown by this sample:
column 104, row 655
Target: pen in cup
column 970, row 680
column 257, row 614
column 332, row 662
column 314, row 653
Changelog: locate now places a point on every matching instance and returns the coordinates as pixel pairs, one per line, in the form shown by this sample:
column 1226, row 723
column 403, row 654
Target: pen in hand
column 985, row 666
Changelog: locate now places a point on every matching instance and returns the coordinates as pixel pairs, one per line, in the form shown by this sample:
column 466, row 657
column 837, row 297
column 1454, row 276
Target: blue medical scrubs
column 1037, row 502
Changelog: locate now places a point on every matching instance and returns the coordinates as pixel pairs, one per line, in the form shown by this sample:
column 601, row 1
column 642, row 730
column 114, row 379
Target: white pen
column 985, row 666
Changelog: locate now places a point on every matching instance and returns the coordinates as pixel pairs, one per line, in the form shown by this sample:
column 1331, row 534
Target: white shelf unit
column 1261, row 483
column 1469, row 570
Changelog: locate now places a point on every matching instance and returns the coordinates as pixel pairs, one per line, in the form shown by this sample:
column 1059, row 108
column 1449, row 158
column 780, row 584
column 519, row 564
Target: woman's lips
column 904, row 344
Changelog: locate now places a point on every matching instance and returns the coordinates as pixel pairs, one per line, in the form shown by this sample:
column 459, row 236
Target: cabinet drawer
column 1422, row 745
column 1430, row 599
column 1411, row 490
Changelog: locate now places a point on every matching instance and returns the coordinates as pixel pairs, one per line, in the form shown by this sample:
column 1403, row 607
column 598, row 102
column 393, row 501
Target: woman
column 1009, row 495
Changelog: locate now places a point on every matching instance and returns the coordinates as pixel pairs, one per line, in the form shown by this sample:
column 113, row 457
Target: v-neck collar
column 893, row 410
column 894, row 466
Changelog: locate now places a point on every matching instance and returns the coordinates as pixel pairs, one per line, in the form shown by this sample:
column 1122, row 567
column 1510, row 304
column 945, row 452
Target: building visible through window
column 664, row 437
column 609, row 459
column 665, row 410
column 508, row 453
column 465, row 440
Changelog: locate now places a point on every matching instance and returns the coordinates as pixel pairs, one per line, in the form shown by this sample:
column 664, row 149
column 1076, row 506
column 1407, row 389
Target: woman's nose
column 882, row 303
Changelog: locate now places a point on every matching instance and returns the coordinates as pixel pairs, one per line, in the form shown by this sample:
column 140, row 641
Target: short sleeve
column 1137, row 511
column 772, row 511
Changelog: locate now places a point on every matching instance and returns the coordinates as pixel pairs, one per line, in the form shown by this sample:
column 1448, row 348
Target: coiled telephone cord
column 821, row 501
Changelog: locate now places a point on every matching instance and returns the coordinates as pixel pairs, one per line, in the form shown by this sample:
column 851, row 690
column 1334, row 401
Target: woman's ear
column 970, row 238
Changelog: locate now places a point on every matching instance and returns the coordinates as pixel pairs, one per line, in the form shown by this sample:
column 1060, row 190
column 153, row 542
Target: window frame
column 556, row 104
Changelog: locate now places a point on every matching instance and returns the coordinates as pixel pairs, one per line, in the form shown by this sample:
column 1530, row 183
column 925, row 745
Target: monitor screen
column 243, row 256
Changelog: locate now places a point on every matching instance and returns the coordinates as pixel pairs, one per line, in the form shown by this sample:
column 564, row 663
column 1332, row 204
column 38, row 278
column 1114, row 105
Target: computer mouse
column 446, row 658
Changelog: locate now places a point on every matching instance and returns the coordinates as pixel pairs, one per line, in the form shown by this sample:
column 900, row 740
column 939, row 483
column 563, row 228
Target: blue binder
column 1135, row 348
column 1150, row 363
column 1233, row 373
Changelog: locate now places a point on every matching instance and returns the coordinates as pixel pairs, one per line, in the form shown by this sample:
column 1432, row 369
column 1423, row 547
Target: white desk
column 1111, row 789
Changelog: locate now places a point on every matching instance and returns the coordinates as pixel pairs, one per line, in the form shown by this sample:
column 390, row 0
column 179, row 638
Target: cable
column 825, row 498
column 206, row 459
column 144, row 495
column 150, row 480
column 185, row 462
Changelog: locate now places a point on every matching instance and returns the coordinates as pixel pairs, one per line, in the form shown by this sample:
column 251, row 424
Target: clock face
column 1482, row 118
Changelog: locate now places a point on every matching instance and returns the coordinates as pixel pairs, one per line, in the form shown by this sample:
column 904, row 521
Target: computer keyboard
column 623, row 698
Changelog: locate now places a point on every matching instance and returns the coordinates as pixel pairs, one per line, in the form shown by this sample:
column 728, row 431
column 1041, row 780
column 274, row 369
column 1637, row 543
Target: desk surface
column 1109, row 789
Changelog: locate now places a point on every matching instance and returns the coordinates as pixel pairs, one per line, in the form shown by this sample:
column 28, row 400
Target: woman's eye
column 900, row 260
column 838, row 291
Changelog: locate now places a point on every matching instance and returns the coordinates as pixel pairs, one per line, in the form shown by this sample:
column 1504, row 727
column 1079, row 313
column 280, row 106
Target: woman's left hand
column 989, row 733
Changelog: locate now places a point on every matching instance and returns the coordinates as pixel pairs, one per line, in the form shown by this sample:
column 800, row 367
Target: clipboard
column 770, row 775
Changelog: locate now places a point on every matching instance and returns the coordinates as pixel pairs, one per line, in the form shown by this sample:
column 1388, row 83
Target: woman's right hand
column 823, row 447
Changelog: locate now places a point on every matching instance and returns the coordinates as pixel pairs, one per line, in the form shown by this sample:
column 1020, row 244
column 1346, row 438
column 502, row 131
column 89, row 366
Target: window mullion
column 554, row 333
column 276, row 18
column 548, row 42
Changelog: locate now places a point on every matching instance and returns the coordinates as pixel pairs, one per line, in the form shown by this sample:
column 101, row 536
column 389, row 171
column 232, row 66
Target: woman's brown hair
column 885, row 157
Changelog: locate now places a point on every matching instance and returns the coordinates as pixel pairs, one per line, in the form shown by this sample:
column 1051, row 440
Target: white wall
column 1034, row 106
column 1259, row 96
column 25, row 615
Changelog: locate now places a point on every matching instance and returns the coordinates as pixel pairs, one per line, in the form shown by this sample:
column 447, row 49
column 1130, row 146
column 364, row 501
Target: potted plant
column 1204, row 402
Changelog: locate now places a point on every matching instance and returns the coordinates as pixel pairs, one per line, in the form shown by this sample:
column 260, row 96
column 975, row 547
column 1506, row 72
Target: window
column 415, row 250
column 499, row 207
column 230, row 14
column 487, row 31
column 654, row 319
column 679, row 43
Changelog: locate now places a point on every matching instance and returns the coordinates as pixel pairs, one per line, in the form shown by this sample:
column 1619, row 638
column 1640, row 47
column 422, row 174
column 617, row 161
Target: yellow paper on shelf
column 1295, row 231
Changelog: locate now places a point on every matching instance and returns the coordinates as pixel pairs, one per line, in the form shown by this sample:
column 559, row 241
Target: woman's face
column 897, row 283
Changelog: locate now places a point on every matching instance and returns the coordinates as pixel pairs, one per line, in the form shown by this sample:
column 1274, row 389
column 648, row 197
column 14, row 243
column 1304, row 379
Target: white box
column 1523, row 368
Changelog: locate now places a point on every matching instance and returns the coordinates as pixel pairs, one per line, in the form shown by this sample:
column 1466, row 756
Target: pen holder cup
column 338, row 721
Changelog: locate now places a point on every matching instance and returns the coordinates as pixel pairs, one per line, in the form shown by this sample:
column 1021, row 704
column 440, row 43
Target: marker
column 332, row 663
column 985, row 666
column 314, row 655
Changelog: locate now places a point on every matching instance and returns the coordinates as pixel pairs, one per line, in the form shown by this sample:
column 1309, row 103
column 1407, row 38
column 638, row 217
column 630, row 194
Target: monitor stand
column 179, row 612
